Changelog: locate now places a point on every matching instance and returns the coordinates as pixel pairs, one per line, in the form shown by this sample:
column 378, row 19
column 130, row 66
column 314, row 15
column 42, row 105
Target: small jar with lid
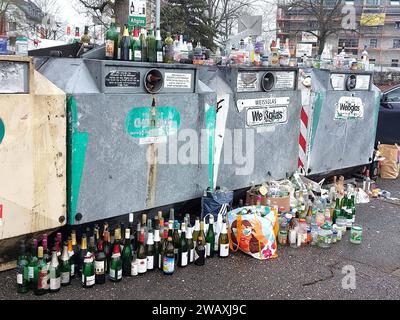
column 325, row 236
column 334, row 236
column 356, row 234
column 21, row 46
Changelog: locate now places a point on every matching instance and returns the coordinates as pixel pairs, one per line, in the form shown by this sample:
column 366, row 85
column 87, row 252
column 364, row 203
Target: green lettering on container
column 2, row 130
column 141, row 123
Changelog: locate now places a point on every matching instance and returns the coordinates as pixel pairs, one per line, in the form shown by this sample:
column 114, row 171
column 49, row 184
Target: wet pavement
column 302, row 273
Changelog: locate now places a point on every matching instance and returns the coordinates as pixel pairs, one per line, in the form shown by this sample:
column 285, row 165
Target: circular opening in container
column 268, row 81
column 351, row 82
column 153, row 81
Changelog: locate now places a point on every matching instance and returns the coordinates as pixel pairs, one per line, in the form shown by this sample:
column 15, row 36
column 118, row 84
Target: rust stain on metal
column 152, row 176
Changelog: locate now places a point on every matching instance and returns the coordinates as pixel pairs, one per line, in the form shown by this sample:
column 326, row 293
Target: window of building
column 395, row 63
column 348, row 43
column 396, row 43
column 397, row 25
column 395, row 3
column 372, row 61
column 373, row 43
column 372, row 2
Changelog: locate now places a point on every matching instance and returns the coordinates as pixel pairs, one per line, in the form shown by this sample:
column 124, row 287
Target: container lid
column 357, row 228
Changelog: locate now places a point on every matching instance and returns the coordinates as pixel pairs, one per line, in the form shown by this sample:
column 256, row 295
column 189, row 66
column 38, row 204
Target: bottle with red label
column 41, row 278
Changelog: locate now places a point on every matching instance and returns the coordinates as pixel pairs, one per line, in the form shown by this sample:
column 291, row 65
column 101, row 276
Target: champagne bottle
column 54, row 272
column 127, row 255
column 88, row 275
column 126, row 49
column 116, row 264
column 65, row 268
column 22, row 270
column 82, row 253
column 183, row 251
column 141, row 254
column 196, row 229
column 72, row 257
column 210, row 239
column 169, row 258
column 223, row 241
column 41, row 279
column 200, row 252
column 100, row 264
column 150, row 252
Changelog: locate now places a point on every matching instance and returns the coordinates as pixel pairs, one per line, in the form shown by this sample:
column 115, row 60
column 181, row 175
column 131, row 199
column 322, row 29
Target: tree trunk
column 2, row 23
column 322, row 42
column 121, row 12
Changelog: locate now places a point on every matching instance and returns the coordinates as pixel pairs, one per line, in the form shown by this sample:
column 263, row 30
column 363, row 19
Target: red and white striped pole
column 304, row 125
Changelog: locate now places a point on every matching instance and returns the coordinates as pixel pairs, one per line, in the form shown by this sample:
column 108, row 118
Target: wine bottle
column 163, row 247
column 54, row 272
column 159, row 47
column 210, row 238
column 88, row 275
column 196, row 229
column 41, row 279
column 72, row 258
column 157, row 247
column 190, row 244
column 136, row 46
column 176, row 240
column 144, row 226
column 200, row 252
column 201, row 232
column 127, row 255
column 138, row 227
column 32, row 266
column 22, row 269
column 143, row 44
column 183, row 252
column 131, row 230
column 223, row 241
column 169, row 258
column 151, row 47
column 65, row 268
column 126, row 49
column 141, row 254
column 150, row 252
column 46, row 251
column 116, row 264
column 107, row 250
column 100, row 264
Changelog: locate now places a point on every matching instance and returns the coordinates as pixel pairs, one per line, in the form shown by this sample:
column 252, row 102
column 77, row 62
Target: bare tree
column 325, row 16
column 103, row 8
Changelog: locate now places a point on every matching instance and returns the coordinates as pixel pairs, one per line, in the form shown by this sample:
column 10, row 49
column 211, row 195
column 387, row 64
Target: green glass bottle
column 136, row 46
column 88, row 274
column 196, row 229
column 190, row 243
column 127, row 255
column 143, row 44
column 202, row 234
column 32, row 266
column 82, row 253
column 200, row 252
column 41, row 279
column 336, row 211
column 176, row 239
column 72, row 257
column 353, row 209
column 141, row 254
column 169, row 258
column 152, row 47
column 116, row 264
column 22, row 270
column 159, row 50
column 223, row 251
column 65, row 267
column 210, row 238
column 169, row 50
column 183, row 251
column 54, row 272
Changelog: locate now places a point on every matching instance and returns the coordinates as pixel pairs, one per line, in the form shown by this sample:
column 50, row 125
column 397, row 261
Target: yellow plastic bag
column 389, row 168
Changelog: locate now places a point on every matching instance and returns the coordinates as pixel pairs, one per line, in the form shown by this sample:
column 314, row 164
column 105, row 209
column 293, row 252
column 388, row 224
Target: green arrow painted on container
column 211, row 121
column 2, row 131
column 318, row 103
column 76, row 147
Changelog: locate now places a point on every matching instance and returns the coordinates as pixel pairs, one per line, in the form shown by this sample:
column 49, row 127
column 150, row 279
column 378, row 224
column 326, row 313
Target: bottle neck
column 65, row 256
column 54, row 258
column 156, row 235
column 84, row 243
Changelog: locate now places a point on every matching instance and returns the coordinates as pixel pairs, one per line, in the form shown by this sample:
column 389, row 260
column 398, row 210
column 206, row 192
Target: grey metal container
column 116, row 141
column 345, row 107
column 257, row 126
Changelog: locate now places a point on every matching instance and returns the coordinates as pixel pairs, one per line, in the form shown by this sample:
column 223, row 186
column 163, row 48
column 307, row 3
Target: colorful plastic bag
column 257, row 234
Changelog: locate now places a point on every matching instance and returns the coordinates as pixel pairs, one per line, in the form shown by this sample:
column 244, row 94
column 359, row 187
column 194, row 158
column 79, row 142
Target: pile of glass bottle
column 153, row 245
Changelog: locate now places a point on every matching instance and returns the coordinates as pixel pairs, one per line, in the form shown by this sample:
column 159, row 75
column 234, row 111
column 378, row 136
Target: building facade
column 377, row 27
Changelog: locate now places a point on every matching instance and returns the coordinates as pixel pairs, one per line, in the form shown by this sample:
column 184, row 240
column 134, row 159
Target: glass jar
column 282, row 237
column 314, row 234
column 356, row 234
column 341, row 223
column 325, row 236
column 21, row 47
column 339, row 232
column 334, row 236
column 293, row 238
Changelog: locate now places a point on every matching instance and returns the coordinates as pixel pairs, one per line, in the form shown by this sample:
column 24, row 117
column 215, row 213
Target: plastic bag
column 257, row 234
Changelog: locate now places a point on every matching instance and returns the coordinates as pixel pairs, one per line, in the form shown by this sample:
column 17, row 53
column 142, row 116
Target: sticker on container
column 266, row 116
column 285, row 80
column 122, row 79
column 55, row 283
column 349, row 108
column 247, row 82
column 363, row 82
column 90, row 280
column 153, row 140
column 150, row 262
column 65, row 276
column 134, row 268
column 99, row 267
column 338, row 81
column 264, row 102
column 178, row 80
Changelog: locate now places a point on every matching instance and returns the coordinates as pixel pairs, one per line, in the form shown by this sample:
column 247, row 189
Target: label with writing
column 264, row 102
column 150, row 262
column 168, row 265
column 72, row 269
column 134, row 268
column 142, row 265
column 177, row 80
column 20, row 278
column 349, row 108
column 266, row 116
column 184, row 258
column 55, row 283
column 43, row 280
column 137, row 55
column 285, row 80
column 30, row 272
column 224, row 250
column 191, row 257
column 208, row 249
column 363, row 82
column 110, row 49
column 112, row 273
column 65, row 276
column 247, row 82
column 90, row 280
column 99, row 267
column 119, row 54
column 122, row 79
column 159, row 56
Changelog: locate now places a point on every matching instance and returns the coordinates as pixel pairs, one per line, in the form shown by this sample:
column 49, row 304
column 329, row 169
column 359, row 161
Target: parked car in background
column 388, row 131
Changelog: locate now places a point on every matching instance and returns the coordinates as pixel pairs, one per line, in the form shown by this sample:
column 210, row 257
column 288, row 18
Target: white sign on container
column 178, row 80
column 266, row 116
column 349, row 108
column 303, row 49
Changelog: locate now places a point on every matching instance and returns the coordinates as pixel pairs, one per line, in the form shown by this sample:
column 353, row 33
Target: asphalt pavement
column 302, row 273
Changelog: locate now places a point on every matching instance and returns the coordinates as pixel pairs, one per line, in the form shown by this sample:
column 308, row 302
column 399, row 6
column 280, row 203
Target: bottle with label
column 144, row 226
column 107, row 249
column 202, row 233
column 353, row 208
column 127, row 255
column 117, row 44
column 77, row 38
column 183, row 251
column 33, row 261
column 136, row 47
column 150, row 252
column 41, row 279
column 159, row 50
column 131, row 230
column 157, row 247
column 210, row 238
column 22, row 270
column 163, row 246
column 82, row 253
column 274, row 53
column 169, row 49
column 54, row 272
column 176, row 239
column 46, row 251
column 143, row 44
column 223, row 251
column 365, row 59
column 141, row 254
column 92, row 247
column 196, row 229
column 190, row 244
column 86, row 37
column 116, row 264
column 65, row 267
column 169, row 258
column 71, row 257
column 126, row 49
column 138, row 227
column 88, row 275
column 152, row 46
column 200, row 252
column 100, row 264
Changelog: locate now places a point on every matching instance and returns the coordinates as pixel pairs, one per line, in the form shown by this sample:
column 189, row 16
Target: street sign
column 137, row 13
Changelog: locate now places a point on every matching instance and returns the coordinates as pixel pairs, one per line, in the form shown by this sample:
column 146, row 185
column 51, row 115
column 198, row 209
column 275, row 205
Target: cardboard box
column 282, row 202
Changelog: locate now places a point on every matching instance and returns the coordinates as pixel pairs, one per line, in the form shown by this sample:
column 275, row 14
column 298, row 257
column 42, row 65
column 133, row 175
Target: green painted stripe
column 76, row 152
column 211, row 121
column 318, row 103
column 2, row 131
